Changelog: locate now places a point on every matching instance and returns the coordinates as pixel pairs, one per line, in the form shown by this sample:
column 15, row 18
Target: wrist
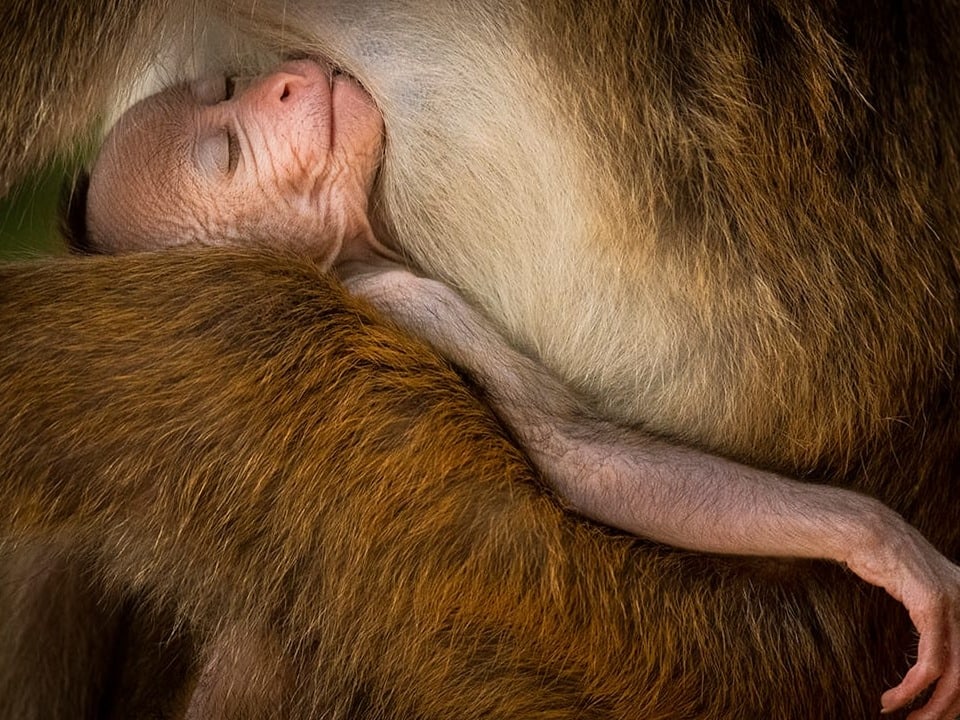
column 870, row 545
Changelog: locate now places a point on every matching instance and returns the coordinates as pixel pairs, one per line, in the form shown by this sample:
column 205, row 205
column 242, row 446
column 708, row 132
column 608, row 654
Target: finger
column 945, row 700
column 944, row 703
column 931, row 660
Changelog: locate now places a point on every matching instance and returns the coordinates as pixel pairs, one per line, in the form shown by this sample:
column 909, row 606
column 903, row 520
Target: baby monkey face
column 285, row 159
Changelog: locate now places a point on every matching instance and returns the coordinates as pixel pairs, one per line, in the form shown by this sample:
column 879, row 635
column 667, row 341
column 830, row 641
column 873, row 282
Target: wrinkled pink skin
column 289, row 158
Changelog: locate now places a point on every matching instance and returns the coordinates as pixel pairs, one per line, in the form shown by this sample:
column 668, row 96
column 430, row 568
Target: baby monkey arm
column 633, row 481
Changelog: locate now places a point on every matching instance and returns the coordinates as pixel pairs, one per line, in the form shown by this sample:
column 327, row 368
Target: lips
column 339, row 99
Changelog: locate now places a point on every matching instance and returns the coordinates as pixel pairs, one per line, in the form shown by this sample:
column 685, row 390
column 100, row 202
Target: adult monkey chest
column 733, row 225
column 724, row 223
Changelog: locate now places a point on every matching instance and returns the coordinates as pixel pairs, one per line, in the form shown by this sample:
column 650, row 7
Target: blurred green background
column 28, row 215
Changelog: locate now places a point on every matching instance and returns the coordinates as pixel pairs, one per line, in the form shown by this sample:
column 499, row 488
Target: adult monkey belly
column 763, row 222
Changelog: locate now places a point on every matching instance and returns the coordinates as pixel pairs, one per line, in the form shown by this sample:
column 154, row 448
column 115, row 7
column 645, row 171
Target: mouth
column 345, row 94
column 338, row 74
column 345, row 90
column 334, row 77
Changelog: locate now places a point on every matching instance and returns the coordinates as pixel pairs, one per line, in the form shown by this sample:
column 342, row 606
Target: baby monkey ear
column 73, row 214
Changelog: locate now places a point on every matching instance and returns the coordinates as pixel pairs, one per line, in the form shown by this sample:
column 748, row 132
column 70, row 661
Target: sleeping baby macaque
column 289, row 159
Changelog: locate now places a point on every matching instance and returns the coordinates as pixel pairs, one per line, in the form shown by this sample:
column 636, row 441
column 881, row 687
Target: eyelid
column 233, row 150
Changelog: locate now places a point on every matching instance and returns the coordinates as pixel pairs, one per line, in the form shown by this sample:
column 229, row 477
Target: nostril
column 286, row 92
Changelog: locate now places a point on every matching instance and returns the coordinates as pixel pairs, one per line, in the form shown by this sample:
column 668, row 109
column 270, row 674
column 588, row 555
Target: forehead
column 145, row 164
column 152, row 140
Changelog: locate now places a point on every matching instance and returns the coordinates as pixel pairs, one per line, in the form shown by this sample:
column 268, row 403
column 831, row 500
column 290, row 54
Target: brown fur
column 374, row 522
column 48, row 76
column 768, row 199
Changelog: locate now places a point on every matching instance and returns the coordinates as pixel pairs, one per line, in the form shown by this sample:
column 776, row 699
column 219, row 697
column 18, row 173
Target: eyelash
column 233, row 144
column 233, row 150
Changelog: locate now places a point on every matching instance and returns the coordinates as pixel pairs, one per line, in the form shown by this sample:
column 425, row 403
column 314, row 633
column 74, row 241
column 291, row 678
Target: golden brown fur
column 733, row 223
column 373, row 523
column 43, row 106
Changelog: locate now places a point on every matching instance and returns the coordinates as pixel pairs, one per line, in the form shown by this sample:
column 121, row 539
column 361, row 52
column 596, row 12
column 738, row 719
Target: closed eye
column 233, row 151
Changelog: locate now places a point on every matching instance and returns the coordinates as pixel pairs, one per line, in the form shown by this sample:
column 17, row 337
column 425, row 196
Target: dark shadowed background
column 28, row 225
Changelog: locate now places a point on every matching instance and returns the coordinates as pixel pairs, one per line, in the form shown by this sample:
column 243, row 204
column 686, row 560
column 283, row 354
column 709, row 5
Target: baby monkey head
column 286, row 159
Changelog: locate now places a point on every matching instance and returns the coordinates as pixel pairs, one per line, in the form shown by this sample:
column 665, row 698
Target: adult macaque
column 321, row 498
column 291, row 157
column 734, row 224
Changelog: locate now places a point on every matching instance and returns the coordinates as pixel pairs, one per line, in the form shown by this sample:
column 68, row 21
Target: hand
column 928, row 584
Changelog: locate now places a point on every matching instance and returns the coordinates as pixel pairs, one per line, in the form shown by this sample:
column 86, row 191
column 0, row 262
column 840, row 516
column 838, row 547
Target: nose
column 280, row 87
column 290, row 80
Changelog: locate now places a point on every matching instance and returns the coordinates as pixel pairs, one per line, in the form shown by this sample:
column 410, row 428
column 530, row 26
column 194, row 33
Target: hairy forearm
column 704, row 502
column 627, row 478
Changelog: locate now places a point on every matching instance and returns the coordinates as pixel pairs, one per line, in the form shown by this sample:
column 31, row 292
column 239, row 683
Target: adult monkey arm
column 227, row 432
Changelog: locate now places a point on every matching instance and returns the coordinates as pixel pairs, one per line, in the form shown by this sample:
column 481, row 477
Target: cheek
column 269, row 211
column 358, row 131
column 290, row 171
column 239, row 216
